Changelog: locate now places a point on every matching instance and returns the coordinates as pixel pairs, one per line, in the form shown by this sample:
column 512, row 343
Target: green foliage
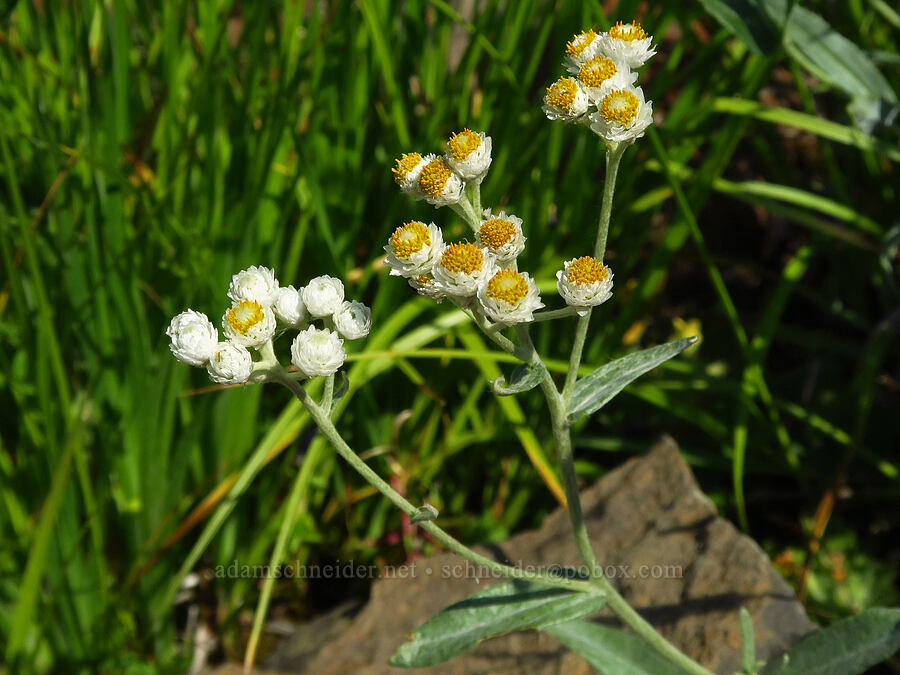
column 525, row 377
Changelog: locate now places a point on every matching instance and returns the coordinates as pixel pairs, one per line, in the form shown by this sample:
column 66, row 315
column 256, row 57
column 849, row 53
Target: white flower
column 584, row 282
column 406, row 173
column 461, row 269
column 509, row 297
column 426, row 286
column 501, row 235
column 230, row 364
column 622, row 116
column 194, row 338
column 437, row 182
column 317, row 351
column 323, row 296
column 254, row 283
column 289, row 307
column 581, row 48
column 600, row 75
column 413, row 248
column 628, row 43
column 249, row 323
column 353, row 320
column 566, row 100
column 469, row 154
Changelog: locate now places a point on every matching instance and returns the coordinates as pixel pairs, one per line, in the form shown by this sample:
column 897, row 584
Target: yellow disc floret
column 496, row 232
column 507, row 285
column 561, row 94
column 629, row 32
column 463, row 144
column 409, row 238
column 463, row 257
column 596, row 71
column 580, row 42
column 244, row 315
column 407, row 162
column 586, row 270
column 423, row 279
column 434, row 177
column 619, row 106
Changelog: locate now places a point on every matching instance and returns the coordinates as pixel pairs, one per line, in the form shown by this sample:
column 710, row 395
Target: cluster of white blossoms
column 261, row 310
column 600, row 90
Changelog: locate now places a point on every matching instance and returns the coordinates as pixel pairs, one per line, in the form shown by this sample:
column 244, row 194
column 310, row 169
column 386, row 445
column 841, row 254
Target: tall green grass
column 148, row 152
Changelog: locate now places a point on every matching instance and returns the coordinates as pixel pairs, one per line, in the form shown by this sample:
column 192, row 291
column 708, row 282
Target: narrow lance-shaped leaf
column 756, row 23
column 524, row 378
column 595, row 390
column 512, row 605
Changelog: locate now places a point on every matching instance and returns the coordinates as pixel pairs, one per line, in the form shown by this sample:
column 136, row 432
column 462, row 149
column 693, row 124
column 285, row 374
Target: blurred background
column 150, row 150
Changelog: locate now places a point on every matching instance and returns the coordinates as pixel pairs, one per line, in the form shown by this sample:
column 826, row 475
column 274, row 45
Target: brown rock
column 648, row 518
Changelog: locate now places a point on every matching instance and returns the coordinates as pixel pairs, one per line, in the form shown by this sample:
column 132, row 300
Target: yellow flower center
column 561, row 94
column 409, row 238
column 407, row 162
column 580, row 42
column 423, row 279
column 244, row 315
column 463, row 257
column 596, row 71
column 629, row 32
column 463, row 144
column 496, row 232
column 619, row 106
column 507, row 285
column 586, row 270
column 434, row 177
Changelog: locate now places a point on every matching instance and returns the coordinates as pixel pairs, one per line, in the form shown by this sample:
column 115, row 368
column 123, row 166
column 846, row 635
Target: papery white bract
column 622, row 115
column 427, row 287
column 584, row 282
column 501, row 235
column 469, row 154
column 317, row 351
column 600, row 75
column 194, row 337
column 566, row 100
column 230, row 364
column 406, row 173
column 439, row 185
column 289, row 307
column 628, row 43
column 581, row 48
column 323, row 296
column 509, row 297
column 461, row 268
column 249, row 323
column 254, row 283
column 413, row 248
column 353, row 320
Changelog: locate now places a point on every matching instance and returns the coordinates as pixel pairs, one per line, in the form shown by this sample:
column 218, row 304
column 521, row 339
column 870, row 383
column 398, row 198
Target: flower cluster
column 262, row 309
column 600, row 90
column 483, row 274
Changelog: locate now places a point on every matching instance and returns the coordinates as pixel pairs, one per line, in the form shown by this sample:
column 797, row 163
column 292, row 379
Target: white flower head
column 509, row 297
column 353, row 320
column 289, row 307
column 413, row 248
column 469, row 154
column 501, row 235
column 317, row 351
column 406, row 173
column 254, row 283
column 461, row 269
column 622, row 115
column 439, row 185
column 584, row 282
column 566, row 100
column 230, row 364
column 600, row 75
column 427, row 287
column 581, row 48
column 323, row 296
column 627, row 43
column 194, row 338
column 249, row 323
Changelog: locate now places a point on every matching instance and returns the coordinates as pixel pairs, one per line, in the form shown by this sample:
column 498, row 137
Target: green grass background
column 148, row 151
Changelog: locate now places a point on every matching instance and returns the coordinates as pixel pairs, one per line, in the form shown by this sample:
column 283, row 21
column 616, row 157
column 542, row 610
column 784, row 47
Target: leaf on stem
column 596, row 390
column 512, row 605
column 524, row 378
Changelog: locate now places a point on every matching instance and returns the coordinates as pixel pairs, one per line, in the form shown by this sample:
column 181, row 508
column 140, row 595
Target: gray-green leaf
column 611, row 651
column 525, row 377
column 845, row 648
column 596, row 390
column 756, row 23
column 512, row 605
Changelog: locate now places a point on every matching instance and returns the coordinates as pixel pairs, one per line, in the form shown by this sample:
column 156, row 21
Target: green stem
column 328, row 395
column 327, row 429
column 476, row 198
column 549, row 315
